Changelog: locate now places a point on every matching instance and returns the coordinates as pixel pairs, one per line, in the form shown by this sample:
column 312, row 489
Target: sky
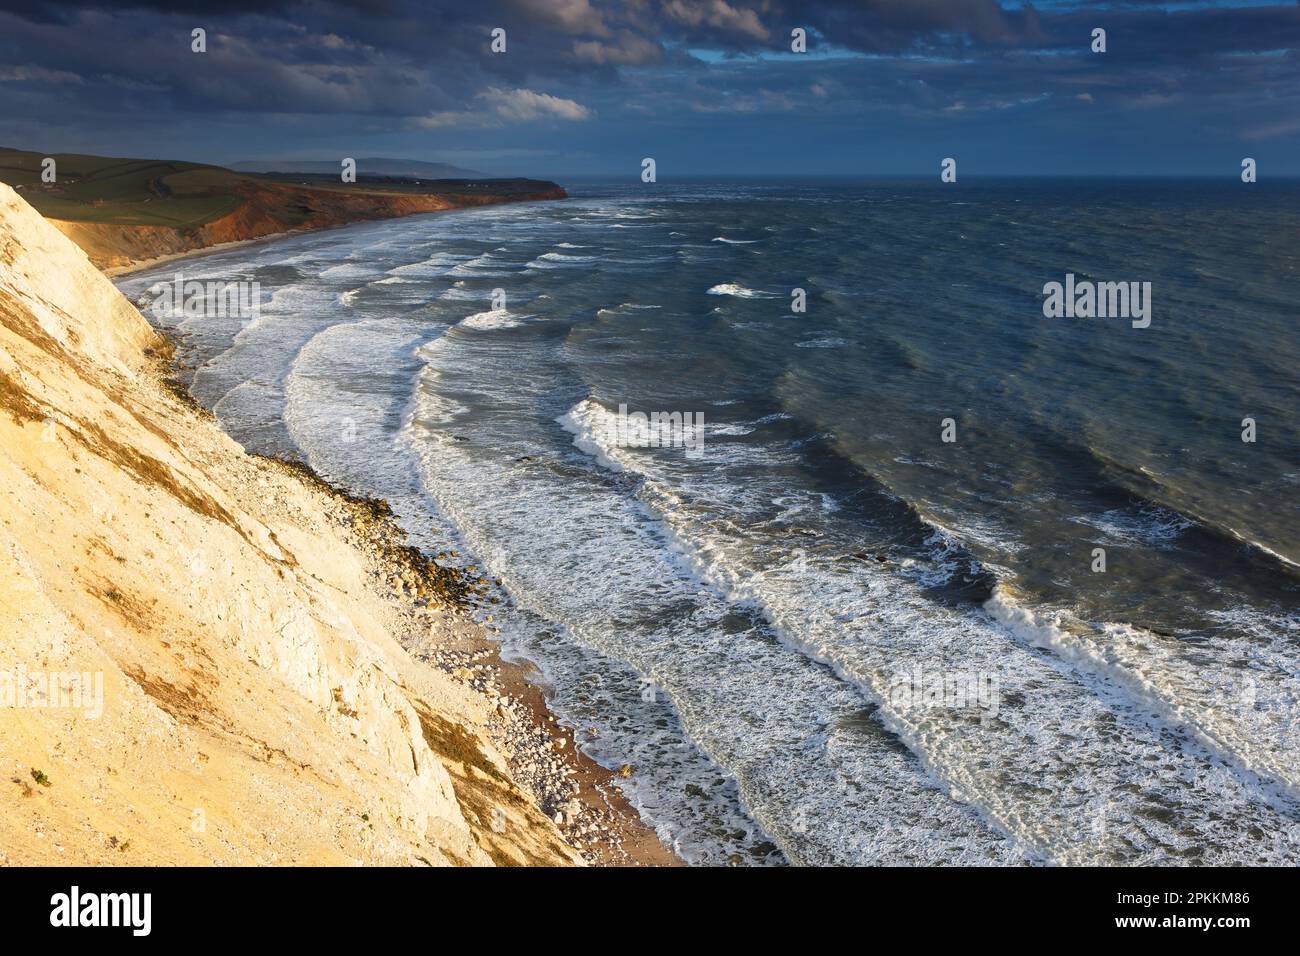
column 705, row 87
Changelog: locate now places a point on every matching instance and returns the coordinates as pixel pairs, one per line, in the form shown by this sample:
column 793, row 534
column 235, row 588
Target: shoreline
column 433, row 620
column 270, row 210
column 139, row 265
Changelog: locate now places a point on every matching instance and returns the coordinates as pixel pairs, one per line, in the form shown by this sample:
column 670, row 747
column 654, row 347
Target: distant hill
column 366, row 166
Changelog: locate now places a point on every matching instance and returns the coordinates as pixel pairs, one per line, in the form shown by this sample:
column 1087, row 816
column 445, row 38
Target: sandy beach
column 140, row 264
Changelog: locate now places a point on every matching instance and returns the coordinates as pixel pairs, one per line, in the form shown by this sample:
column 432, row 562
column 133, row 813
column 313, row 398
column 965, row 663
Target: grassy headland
column 127, row 211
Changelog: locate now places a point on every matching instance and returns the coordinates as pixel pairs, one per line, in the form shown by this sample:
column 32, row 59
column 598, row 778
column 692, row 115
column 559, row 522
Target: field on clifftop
column 138, row 192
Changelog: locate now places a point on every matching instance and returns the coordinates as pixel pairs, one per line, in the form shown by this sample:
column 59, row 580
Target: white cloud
column 36, row 74
column 718, row 14
column 764, row 101
column 629, row 50
column 501, row 106
column 574, row 16
column 523, row 105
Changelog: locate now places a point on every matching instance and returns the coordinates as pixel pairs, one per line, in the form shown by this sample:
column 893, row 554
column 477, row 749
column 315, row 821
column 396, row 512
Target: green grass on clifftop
column 142, row 192
column 183, row 196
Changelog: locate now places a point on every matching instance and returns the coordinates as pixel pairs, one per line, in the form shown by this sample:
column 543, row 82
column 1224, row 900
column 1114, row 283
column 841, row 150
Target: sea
column 809, row 511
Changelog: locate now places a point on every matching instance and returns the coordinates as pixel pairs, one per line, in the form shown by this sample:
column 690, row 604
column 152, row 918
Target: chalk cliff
column 255, row 703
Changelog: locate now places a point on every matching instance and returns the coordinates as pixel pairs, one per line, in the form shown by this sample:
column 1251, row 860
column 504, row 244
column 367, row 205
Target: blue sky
column 887, row 87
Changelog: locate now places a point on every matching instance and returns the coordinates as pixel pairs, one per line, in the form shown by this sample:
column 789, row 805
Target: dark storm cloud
column 405, row 65
column 400, row 58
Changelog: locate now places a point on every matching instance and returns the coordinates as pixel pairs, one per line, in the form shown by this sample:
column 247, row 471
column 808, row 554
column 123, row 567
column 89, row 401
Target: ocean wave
column 740, row 291
column 436, row 265
column 735, row 242
column 555, row 260
column 627, row 307
column 495, row 319
column 1170, row 517
column 347, row 270
column 597, row 431
column 863, row 620
column 592, row 425
column 1145, row 524
column 1263, row 549
column 704, row 558
column 459, row 292
column 1214, row 696
column 485, row 265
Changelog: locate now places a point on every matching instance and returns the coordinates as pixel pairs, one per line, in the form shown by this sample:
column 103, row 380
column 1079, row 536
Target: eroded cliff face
column 228, row 686
column 268, row 209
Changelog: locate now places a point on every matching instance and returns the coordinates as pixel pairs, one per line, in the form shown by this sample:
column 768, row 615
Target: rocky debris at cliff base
column 438, row 604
